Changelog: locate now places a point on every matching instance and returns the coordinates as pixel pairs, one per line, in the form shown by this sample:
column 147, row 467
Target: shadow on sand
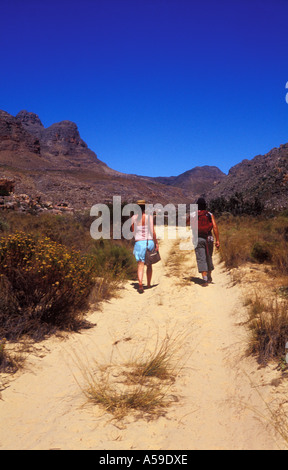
column 135, row 286
column 196, row 280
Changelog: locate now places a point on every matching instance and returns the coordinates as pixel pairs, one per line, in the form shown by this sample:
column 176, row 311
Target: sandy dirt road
column 220, row 396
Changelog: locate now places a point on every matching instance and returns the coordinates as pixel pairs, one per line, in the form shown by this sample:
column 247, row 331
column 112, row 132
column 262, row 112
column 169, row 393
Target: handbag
column 152, row 257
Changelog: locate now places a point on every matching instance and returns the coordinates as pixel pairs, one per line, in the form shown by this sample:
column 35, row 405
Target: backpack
column 205, row 224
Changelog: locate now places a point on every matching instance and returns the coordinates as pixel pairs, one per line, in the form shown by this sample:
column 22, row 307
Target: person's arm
column 133, row 226
column 152, row 228
column 155, row 240
column 216, row 232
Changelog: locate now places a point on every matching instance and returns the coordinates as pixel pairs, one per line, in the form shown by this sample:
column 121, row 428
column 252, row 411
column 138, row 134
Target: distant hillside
column 200, row 179
column 264, row 177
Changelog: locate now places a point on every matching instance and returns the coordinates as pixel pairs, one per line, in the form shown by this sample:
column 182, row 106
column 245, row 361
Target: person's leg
column 201, row 257
column 210, row 264
column 205, row 278
column 149, row 268
column 149, row 275
column 140, row 271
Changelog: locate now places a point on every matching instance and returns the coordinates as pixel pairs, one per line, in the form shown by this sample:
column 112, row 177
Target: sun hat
column 141, row 202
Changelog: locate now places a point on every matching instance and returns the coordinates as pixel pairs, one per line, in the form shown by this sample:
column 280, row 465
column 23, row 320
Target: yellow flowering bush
column 43, row 284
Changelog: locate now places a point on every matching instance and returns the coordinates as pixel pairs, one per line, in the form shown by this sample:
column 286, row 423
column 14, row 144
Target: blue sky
column 156, row 87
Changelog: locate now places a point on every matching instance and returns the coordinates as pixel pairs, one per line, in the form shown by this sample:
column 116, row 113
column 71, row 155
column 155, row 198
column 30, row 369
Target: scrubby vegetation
column 51, row 270
column 9, row 362
column 268, row 322
column 43, row 283
column 255, row 239
column 236, row 205
column 262, row 240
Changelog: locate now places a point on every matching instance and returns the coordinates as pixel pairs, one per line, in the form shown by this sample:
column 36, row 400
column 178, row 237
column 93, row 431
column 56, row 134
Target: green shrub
column 114, row 259
column 43, row 284
column 236, row 205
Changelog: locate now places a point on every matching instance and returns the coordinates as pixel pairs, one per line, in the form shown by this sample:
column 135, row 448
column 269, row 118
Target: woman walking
column 145, row 238
column 204, row 249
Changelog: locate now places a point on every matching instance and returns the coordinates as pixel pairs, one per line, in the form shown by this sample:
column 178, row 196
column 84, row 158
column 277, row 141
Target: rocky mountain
column 55, row 164
column 17, row 146
column 25, row 143
column 265, row 177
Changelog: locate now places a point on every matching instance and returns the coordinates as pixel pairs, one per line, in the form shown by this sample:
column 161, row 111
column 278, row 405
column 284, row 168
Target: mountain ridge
column 264, row 177
column 55, row 163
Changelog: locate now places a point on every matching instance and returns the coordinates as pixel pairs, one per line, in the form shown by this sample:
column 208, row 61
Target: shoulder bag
column 152, row 257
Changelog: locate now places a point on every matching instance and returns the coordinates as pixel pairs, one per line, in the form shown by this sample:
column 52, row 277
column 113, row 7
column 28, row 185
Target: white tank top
column 143, row 232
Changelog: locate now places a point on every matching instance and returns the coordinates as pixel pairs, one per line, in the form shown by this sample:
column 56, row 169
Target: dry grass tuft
column 9, row 362
column 268, row 323
column 122, row 397
column 141, row 385
column 162, row 362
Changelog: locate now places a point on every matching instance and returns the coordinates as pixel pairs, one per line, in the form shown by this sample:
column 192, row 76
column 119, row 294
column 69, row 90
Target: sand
column 219, row 398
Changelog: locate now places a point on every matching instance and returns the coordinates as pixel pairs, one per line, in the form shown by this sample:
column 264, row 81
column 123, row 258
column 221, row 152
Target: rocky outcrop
column 31, row 123
column 25, row 203
column 15, row 138
column 25, row 143
column 62, row 140
column 63, row 137
column 265, row 177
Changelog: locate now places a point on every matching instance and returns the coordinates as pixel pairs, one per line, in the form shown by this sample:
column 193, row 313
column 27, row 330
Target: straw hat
column 141, row 202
